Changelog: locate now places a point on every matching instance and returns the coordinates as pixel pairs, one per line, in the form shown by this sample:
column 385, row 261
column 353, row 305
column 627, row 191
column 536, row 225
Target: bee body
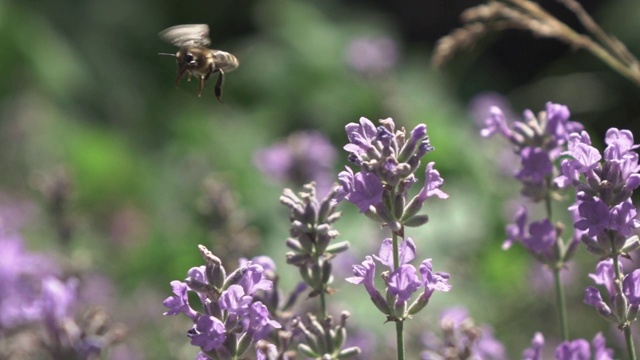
column 195, row 58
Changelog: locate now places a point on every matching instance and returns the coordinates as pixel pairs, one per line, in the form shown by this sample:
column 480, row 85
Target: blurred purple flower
column 578, row 349
column 574, row 350
column 536, row 165
column 462, row 339
column 58, row 300
column 303, row 157
column 480, row 106
column 372, row 55
column 539, row 238
column 535, row 351
column 600, row 350
column 21, row 274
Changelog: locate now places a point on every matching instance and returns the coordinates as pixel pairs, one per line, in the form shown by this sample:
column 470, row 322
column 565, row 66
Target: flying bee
column 194, row 56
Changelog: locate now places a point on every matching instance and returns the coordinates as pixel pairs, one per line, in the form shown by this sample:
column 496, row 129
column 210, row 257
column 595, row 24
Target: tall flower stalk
column 312, row 252
column 605, row 218
column 539, row 141
column 387, row 159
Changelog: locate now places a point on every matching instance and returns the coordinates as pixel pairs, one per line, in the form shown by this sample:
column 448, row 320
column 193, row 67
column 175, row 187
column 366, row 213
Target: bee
column 194, row 56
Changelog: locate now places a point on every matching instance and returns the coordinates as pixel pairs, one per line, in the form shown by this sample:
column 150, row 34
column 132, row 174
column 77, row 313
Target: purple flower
column 266, row 262
column 432, row 184
column 573, row 350
column 362, row 189
column 535, row 351
column 600, row 351
column 558, row 124
column 21, row 274
column 197, row 277
column 585, row 157
column 58, row 299
column 266, row 351
column 361, row 136
column 364, row 273
column 517, row 231
column 622, row 218
column 461, row 339
column 257, row 323
column 480, row 106
column 372, row 55
column 496, row 123
column 179, row 302
column 438, row 281
column 593, row 298
column 235, row 301
column 605, row 275
column 631, row 287
column 594, row 216
column 403, row 282
column 407, row 252
column 253, row 279
column 539, row 237
column 620, row 143
column 303, row 157
column 536, row 165
column 542, row 237
column 208, row 333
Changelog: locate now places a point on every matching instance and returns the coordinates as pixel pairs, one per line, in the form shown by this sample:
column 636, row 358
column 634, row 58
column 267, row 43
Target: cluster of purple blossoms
column 538, row 140
column 605, row 215
column 462, row 339
column 33, row 298
column 578, row 349
column 541, row 239
column 231, row 319
column 302, row 157
column 401, row 282
column 624, row 297
column 372, row 55
column 388, row 160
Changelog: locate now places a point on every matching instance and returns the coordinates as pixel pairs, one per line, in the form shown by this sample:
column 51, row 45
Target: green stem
column 323, row 305
column 562, row 308
column 629, row 340
column 626, row 327
column 400, row 339
column 399, row 322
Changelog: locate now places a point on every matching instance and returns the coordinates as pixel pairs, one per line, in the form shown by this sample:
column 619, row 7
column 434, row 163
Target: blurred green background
column 90, row 111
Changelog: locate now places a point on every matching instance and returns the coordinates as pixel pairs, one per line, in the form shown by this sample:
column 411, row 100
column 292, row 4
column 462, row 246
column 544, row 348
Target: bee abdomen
column 225, row 61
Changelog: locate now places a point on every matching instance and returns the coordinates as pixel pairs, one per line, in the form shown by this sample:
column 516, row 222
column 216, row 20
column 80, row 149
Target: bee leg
column 219, row 82
column 180, row 75
column 201, row 85
column 203, row 79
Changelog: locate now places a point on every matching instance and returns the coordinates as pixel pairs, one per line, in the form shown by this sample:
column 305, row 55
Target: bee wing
column 187, row 35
